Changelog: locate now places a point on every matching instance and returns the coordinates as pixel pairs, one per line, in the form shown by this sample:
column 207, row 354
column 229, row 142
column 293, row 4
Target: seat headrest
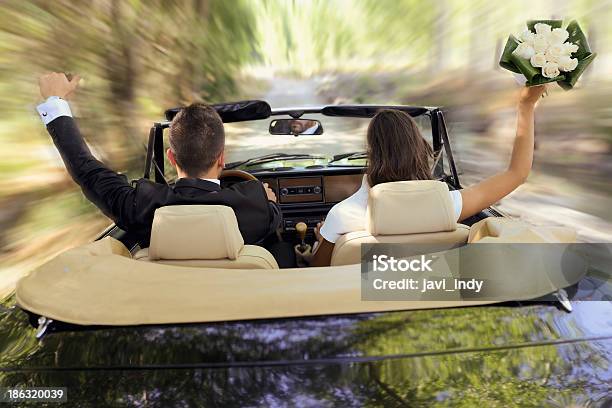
column 195, row 232
column 410, row 207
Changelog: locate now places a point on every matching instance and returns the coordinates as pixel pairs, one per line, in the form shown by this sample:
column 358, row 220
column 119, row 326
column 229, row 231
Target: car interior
column 401, row 212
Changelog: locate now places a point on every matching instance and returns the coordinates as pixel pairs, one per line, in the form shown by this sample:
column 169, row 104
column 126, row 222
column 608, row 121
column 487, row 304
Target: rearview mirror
column 296, row 127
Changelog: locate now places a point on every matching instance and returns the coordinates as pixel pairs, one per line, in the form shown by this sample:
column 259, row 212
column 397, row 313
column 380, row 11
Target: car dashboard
column 306, row 195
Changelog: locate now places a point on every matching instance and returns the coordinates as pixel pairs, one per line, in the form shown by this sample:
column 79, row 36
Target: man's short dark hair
column 197, row 138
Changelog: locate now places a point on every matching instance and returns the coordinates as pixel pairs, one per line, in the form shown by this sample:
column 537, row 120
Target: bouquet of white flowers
column 545, row 52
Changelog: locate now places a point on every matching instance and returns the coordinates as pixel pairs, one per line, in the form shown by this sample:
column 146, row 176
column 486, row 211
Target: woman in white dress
column 397, row 151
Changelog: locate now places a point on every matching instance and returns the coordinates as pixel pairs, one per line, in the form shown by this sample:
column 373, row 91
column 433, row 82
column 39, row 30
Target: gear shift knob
column 301, row 228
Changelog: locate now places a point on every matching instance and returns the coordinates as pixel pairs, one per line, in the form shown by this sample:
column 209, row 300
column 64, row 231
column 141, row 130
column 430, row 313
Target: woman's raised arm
column 481, row 195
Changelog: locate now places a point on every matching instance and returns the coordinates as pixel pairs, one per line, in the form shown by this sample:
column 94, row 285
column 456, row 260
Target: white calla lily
column 559, row 35
column 542, row 29
column 524, row 50
column 527, row 37
column 540, row 43
column 570, row 48
column 551, row 70
column 538, row 60
column 567, row 64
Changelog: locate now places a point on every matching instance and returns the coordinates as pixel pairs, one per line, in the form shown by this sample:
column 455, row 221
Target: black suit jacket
column 132, row 207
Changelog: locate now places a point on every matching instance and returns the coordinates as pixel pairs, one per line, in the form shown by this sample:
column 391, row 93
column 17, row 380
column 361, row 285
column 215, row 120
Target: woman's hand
column 317, row 231
column 321, row 250
column 531, row 94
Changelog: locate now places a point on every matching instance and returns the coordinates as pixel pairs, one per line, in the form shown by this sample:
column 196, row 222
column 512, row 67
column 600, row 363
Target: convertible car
column 200, row 321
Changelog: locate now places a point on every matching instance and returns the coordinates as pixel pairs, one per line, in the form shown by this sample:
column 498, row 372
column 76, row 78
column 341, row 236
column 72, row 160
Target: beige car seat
column 407, row 212
column 202, row 236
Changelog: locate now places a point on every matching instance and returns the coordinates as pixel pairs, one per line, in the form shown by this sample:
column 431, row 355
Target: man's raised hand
column 56, row 84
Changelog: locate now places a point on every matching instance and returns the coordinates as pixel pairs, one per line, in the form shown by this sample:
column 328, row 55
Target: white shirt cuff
column 457, row 200
column 53, row 108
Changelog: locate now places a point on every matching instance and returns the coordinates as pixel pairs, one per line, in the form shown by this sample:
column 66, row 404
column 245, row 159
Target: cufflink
column 44, row 114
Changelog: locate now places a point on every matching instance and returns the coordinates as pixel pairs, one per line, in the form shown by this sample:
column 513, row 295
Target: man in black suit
column 197, row 141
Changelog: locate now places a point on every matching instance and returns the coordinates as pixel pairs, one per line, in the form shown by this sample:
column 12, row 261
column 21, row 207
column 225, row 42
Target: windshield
column 341, row 135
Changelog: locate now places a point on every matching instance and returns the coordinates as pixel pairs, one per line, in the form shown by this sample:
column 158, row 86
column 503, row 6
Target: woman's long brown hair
column 396, row 149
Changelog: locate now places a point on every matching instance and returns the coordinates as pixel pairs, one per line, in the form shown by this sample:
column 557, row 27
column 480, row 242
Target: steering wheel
column 233, row 174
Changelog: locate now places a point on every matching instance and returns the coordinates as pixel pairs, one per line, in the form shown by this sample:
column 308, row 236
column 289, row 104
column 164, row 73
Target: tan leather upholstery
column 99, row 284
column 410, row 207
column 494, row 230
column 347, row 250
column 250, row 257
column 410, row 212
column 204, row 236
column 195, row 232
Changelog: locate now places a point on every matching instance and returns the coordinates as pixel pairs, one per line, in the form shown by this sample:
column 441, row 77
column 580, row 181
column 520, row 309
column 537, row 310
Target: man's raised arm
column 108, row 190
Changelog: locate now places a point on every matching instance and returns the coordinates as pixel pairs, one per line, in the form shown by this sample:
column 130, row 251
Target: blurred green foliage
column 136, row 58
